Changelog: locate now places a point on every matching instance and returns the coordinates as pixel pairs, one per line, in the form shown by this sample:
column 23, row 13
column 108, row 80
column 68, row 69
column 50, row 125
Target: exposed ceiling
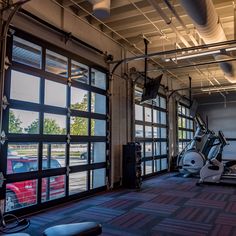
column 131, row 20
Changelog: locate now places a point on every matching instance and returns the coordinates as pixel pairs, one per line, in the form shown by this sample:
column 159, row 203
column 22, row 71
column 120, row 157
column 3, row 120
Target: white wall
column 222, row 118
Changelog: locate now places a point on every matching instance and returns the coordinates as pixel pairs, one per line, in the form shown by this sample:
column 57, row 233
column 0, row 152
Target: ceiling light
column 192, row 56
column 218, row 88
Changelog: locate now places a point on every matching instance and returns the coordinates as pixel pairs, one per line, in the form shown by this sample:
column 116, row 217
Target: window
column 55, row 94
column 53, row 155
column 56, row 125
column 151, row 132
column 53, row 187
column 79, row 126
column 185, row 126
column 22, row 157
column 79, row 72
column 98, row 103
column 78, row 154
column 56, row 63
column 23, row 122
column 98, row 79
column 78, row 182
column 79, row 99
column 26, row 53
column 24, row 87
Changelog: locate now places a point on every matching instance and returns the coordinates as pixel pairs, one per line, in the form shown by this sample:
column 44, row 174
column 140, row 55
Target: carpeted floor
column 166, row 205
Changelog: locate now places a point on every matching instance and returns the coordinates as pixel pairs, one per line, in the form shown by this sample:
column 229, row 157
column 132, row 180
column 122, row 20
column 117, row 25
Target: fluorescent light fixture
column 192, row 56
column 219, row 88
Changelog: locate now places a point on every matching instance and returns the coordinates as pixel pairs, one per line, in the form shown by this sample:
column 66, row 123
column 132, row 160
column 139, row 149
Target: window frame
column 152, row 105
column 42, row 108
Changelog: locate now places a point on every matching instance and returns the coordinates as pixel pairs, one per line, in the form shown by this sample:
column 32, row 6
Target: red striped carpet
column 167, row 205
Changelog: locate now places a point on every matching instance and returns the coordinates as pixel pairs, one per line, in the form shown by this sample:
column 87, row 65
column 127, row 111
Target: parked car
column 25, row 192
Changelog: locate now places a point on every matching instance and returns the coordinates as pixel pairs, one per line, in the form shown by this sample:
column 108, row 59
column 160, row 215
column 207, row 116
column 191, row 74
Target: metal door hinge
column 67, row 171
column 2, row 179
column 68, row 138
column 3, row 137
column 5, row 102
column 69, row 81
column 7, row 63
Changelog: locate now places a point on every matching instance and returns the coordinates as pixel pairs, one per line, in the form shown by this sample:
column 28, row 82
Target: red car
column 24, row 193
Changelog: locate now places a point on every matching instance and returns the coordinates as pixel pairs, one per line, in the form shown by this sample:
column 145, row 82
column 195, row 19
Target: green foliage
column 14, row 124
column 50, row 127
column 79, row 125
column 33, row 128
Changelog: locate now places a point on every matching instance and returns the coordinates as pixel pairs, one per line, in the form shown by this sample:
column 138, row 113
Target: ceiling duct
column 101, row 8
column 207, row 23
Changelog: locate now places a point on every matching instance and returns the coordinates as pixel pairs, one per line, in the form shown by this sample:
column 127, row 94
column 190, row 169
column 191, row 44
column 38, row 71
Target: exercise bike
column 215, row 170
column 193, row 157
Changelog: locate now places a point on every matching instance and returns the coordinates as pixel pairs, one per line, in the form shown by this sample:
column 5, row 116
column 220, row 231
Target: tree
column 14, row 123
column 79, row 125
column 50, row 127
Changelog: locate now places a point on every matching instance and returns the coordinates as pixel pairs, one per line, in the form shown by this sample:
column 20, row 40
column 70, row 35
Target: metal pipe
column 172, row 9
column 207, row 23
column 168, row 21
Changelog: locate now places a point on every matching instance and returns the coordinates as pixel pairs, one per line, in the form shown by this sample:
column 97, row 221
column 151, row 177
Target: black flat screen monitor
column 150, row 90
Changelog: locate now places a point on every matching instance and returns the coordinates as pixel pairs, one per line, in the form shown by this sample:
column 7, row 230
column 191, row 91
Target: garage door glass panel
column 138, row 112
column 148, row 149
column 157, row 165
column 54, row 124
column 79, row 72
column 148, row 131
column 138, row 131
column 24, row 87
column 79, row 126
column 22, row 157
column 98, row 127
column 79, row 99
column 98, row 103
column 164, row 164
column 97, row 178
column 53, row 187
column 55, row 94
column 56, row 63
column 23, row 122
column 78, row 154
column 98, row 152
column 26, row 53
column 148, row 167
column 53, row 155
column 78, row 182
column 21, row 194
column 98, row 79
column 148, row 114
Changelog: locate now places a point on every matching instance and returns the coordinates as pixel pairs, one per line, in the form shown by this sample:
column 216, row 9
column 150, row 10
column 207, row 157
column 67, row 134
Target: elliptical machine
column 193, row 157
column 215, row 169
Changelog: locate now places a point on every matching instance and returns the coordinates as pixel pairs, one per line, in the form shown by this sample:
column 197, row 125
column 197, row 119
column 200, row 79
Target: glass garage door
column 185, row 126
column 151, row 132
column 55, row 123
